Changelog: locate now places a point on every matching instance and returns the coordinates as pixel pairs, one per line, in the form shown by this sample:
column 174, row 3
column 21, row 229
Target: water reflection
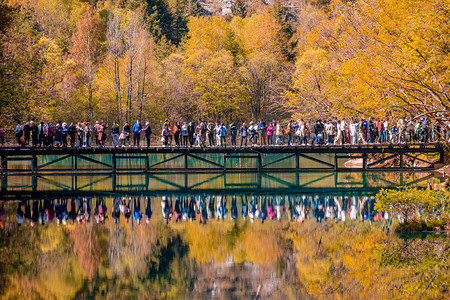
column 212, row 235
column 202, row 208
column 101, row 246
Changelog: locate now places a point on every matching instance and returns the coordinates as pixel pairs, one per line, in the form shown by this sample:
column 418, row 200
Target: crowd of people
column 203, row 208
column 209, row 134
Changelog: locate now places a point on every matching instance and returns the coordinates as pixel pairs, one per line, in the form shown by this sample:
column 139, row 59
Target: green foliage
column 421, row 209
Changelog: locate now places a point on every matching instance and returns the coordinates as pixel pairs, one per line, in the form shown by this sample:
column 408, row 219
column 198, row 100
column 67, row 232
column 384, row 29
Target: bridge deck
column 227, row 159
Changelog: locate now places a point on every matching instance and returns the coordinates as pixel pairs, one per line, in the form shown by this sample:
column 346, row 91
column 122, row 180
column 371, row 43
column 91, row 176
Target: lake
column 183, row 235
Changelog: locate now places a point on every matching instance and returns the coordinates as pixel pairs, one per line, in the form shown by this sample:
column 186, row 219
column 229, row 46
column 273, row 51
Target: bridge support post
column 113, row 163
column 34, row 164
column 364, row 158
column 4, row 162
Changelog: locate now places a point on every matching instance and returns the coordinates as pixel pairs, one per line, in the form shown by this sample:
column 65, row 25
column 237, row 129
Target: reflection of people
column 73, row 211
column 166, row 209
column 65, row 216
column 279, row 206
column 148, row 211
column 116, row 210
column 35, row 213
column 234, row 209
column 100, row 211
column 185, row 209
column 203, row 211
column 42, row 214
column 49, row 210
column 253, row 211
column 211, row 208
column 19, row 214
column 125, row 208
column 270, row 211
column 319, row 211
column 58, row 211
column 244, row 207
column 177, row 210
column 191, row 209
column 2, row 214
column 221, row 207
column 137, row 215
column 262, row 209
column 27, row 213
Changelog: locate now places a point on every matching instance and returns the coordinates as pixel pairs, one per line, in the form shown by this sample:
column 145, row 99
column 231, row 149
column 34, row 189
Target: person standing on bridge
column 34, row 134
column 223, row 135
column 115, row 132
column 2, row 135
column 279, row 132
column 243, row 134
column 19, row 132
column 262, row 133
column 148, row 133
column 165, row 133
column 233, row 134
column 127, row 129
column 176, row 133
column 184, row 135
column 251, row 130
column 270, row 130
column 137, row 128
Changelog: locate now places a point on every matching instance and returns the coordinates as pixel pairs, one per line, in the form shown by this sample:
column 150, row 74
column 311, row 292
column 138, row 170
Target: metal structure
column 333, row 183
column 404, row 157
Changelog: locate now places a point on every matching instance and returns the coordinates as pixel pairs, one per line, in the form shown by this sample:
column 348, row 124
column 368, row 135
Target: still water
column 240, row 235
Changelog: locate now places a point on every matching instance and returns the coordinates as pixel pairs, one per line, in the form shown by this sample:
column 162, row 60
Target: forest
column 122, row 60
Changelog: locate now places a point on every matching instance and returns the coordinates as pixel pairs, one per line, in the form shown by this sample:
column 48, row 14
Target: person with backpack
column 19, row 132
column 233, row 134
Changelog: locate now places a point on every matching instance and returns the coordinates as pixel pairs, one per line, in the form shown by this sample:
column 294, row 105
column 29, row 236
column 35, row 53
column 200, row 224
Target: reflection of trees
column 425, row 256
column 87, row 247
column 364, row 262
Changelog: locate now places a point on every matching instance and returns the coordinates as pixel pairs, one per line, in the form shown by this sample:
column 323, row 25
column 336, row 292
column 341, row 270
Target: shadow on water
column 292, row 238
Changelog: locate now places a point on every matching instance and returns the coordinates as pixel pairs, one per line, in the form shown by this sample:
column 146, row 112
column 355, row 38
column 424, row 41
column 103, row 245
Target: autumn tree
column 115, row 47
column 86, row 50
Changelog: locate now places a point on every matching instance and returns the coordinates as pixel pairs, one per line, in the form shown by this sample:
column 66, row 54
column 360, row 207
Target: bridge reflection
column 333, row 183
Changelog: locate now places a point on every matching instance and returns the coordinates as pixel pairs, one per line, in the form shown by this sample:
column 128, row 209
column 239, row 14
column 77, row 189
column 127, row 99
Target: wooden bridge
column 404, row 157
